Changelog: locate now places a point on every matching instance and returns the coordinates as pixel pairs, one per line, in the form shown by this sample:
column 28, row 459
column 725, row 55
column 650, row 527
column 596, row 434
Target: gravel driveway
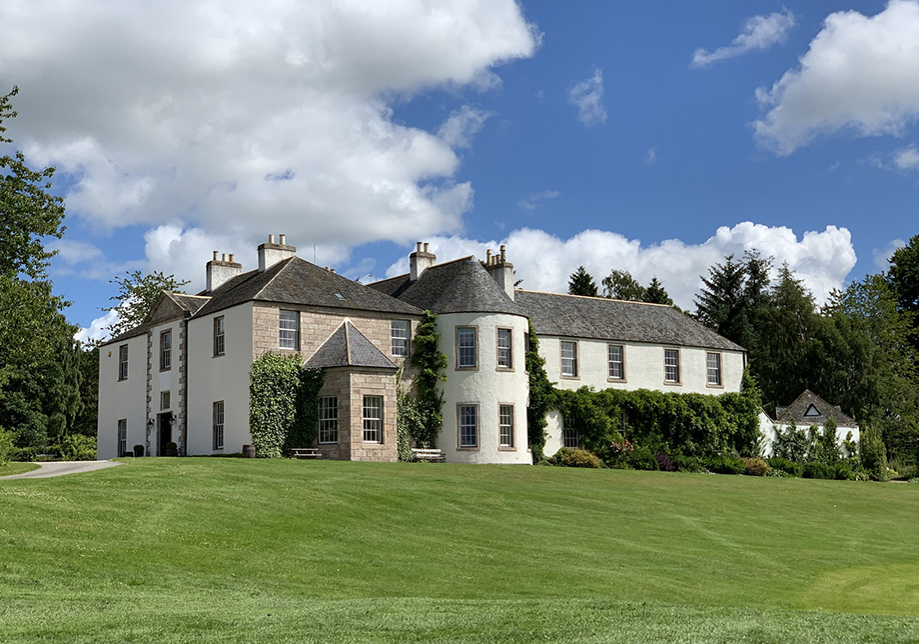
column 60, row 468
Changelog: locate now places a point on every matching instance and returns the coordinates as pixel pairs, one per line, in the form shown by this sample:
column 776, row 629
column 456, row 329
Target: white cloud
column 907, row 158
column 651, row 156
column 97, row 328
column 758, row 33
column 463, row 124
column 587, row 96
column 243, row 118
column 545, row 262
column 535, row 200
column 860, row 74
column 882, row 255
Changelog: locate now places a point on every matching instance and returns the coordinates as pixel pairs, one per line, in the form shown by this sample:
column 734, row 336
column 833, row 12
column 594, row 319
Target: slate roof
column 460, row 286
column 796, row 411
column 296, row 281
column 604, row 319
column 168, row 306
column 347, row 347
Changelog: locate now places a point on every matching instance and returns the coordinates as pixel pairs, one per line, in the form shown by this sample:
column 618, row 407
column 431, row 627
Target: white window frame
column 166, row 350
column 122, row 437
column 570, row 436
column 715, row 370
column 569, row 364
column 467, row 435
column 468, row 350
column 288, row 329
column 506, row 426
column 373, row 419
column 220, row 336
column 123, row 362
column 219, row 424
column 615, row 362
column 672, row 366
column 328, row 420
column 400, row 332
column 505, row 349
column 165, row 400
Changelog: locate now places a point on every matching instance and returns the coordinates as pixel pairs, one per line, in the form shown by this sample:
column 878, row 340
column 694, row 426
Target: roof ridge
column 452, row 261
column 593, row 297
column 285, row 262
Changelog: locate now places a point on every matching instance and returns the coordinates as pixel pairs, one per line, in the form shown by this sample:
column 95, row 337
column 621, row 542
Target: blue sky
column 652, row 137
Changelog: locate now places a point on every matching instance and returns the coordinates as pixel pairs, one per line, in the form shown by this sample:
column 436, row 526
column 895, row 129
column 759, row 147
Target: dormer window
column 812, row 412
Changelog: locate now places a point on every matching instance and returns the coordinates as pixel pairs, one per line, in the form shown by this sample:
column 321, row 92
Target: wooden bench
column 429, row 455
column 304, row 452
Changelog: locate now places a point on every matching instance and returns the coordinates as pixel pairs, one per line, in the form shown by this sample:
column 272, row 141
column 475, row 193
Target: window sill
column 621, row 381
column 564, row 377
column 505, row 369
column 507, row 448
column 710, row 386
column 668, row 383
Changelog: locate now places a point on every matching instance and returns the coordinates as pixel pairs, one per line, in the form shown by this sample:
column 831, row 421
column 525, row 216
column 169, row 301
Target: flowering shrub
column 664, row 462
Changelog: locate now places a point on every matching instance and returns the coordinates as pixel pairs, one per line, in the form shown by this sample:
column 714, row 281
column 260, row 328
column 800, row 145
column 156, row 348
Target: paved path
column 60, row 468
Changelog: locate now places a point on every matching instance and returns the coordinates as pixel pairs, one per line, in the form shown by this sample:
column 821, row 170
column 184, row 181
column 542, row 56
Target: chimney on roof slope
column 502, row 270
column 270, row 254
column 420, row 261
column 220, row 271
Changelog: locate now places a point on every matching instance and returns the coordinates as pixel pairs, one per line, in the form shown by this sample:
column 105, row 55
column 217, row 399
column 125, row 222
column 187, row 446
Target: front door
column 165, row 433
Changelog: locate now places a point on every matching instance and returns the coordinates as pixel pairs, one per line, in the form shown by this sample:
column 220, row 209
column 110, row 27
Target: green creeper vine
column 283, row 404
column 429, row 399
column 542, row 397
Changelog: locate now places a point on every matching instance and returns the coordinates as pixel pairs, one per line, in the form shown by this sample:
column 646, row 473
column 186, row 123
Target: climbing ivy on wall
column 283, row 404
column 542, row 397
column 429, row 398
column 690, row 424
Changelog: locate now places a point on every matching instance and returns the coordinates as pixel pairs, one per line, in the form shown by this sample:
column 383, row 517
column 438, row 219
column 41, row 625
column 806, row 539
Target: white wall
column 767, row 428
column 122, row 399
column 486, row 386
column 644, row 367
column 212, row 378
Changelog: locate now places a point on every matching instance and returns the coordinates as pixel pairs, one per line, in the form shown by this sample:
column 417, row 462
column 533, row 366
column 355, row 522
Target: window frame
column 295, row 330
column 676, row 365
column 475, row 348
column 123, row 362
column 330, row 419
column 122, row 436
column 219, row 424
column 166, row 350
column 404, row 351
column 220, row 336
column 610, row 362
column 569, row 430
column 573, row 360
column 509, row 349
column 371, row 420
column 708, row 370
column 166, row 400
column 508, row 443
column 460, row 445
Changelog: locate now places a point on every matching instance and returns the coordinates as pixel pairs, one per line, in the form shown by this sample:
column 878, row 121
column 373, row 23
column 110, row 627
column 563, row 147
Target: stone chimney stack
column 220, row 271
column 420, row 261
column 270, row 254
column 501, row 270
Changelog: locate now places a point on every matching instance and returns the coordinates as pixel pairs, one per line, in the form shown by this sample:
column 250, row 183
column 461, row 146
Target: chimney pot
column 488, row 257
column 223, row 257
column 417, row 247
column 215, row 255
column 231, row 258
column 270, row 239
column 282, row 239
column 425, row 246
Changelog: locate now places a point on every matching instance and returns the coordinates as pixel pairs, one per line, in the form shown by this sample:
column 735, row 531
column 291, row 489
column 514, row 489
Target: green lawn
column 13, row 467
column 234, row 550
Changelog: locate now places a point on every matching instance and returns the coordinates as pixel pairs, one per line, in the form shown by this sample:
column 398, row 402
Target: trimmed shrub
column 873, row 454
column 138, row 450
column 685, row 463
column 641, row 458
column 78, row 447
column 724, row 464
column 664, row 462
column 818, row 470
column 842, row 472
column 755, row 467
column 6, row 447
column 568, row 457
column 785, row 465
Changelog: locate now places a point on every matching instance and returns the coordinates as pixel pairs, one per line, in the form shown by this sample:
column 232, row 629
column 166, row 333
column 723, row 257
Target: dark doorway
column 164, row 432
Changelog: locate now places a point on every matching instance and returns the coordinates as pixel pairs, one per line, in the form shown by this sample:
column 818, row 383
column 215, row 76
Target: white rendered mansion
column 183, row 375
